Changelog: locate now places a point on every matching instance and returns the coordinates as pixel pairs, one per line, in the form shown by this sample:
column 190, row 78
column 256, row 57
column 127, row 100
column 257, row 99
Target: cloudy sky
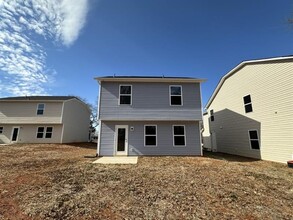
column 57, row 47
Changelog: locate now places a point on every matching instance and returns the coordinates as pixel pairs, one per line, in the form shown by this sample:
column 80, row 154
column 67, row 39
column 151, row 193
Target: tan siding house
column 250, row 111
column 43, row 119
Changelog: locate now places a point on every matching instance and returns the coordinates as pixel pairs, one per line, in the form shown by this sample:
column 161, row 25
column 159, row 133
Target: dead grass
column 49, row 181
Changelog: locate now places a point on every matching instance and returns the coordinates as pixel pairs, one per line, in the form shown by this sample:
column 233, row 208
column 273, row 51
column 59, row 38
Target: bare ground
column 49, row 181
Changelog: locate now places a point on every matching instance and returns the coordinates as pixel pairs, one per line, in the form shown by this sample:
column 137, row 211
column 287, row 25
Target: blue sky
column 57, row 47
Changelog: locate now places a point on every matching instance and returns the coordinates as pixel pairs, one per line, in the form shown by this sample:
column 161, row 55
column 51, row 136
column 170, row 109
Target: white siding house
column 149, row 116
column 250, row 111
column 43, row 119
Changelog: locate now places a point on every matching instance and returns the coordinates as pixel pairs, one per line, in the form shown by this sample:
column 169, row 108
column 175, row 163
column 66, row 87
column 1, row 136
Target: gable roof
column 239, row 66
column 38, row 98
column 147, row 79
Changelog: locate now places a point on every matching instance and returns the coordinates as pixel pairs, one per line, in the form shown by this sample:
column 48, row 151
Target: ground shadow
column 228, row 157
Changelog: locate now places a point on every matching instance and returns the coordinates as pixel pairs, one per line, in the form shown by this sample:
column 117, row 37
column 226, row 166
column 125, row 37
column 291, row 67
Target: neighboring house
column 250, row 111
column 149, row 116
column 43, row 119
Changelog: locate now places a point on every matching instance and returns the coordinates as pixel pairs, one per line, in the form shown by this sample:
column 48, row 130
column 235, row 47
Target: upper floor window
column 150, row 135
column 212, row 115
column 247, row 103
column 1, row 130
column 254, row 140
column 40, row 109
column 178, row 135
column 125, row 92
column 176, row 95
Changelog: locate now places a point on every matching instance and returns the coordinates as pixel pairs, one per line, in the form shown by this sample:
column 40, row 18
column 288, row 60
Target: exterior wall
column 164, row 138
column 28, row 133
column 150, row 101
column 26, row 112
column 270, row 87
column 206, row 136
column 76, row 120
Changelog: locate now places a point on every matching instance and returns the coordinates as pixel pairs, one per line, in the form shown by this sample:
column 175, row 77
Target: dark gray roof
column 38, row 98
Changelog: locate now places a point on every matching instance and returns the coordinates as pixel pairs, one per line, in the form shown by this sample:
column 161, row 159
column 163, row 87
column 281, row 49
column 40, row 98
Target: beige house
column 43, row 119
column 250, row 111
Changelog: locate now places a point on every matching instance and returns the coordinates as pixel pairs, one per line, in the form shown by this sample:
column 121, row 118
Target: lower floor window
column 254, row 140
column 179, row 135
column 150, row 135
column 1, row 130
column 41, row 132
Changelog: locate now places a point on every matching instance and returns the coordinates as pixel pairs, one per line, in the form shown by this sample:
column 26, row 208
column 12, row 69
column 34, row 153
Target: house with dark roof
column 43, row 119
column 250, row 111
column 142, row 115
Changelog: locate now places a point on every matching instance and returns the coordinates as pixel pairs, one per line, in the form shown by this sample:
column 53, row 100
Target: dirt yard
column 57, row 182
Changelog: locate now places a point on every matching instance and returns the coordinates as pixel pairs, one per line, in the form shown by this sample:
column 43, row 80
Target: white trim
column 156, row 135
column 99, row 138
column 173, row 135
column 99, row 100
column 61, row 121
column 16, row 136
column 125, row 152
column 149, row 119
column 40, row 109
column 239, row 66
column 253, row 139
column 175, row 95
column 125, row 94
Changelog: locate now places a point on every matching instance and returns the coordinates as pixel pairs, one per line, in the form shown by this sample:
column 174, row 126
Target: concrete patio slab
column 116, row 160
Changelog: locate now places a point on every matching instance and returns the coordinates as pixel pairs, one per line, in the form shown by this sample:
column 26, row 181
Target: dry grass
column 49, row 181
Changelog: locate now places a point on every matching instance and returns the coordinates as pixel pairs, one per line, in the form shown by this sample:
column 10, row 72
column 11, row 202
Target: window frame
column 173, row 134
column 170, row 94
column 44, row 133
column 246, row 104
column 125, row 94
column 156, row 135
column 253, row 139
column 1, row 129
column 40, row 109
column 212, row 115
column 40, row 132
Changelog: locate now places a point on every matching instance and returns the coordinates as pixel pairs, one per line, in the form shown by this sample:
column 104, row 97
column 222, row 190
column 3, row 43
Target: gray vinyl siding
column 28, row 133
column 26, row 112
column 164, row 138
column 150, row 101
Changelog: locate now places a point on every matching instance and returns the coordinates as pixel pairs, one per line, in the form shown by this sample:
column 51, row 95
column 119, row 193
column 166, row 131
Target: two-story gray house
column 43, row 119
column 149, row 116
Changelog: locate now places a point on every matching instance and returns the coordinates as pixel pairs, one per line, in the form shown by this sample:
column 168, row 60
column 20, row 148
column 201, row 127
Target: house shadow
column 228, row 157
column 229, row 135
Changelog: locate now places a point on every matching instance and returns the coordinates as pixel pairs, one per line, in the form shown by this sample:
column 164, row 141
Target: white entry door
column 214, row 141
column 121, row 140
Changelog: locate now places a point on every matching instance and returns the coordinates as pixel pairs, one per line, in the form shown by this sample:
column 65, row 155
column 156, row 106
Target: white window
column 40, row 109
column 44, row 132
column 49, row 131
column 40, row 132
column 125, row 92
column 150, row 135
column 253, row 139
column 247, row 103
column 176, row 95
column 1, row 130
column 179, row 138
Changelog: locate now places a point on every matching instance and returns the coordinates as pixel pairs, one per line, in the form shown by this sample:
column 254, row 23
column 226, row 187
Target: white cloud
column 23, row 68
